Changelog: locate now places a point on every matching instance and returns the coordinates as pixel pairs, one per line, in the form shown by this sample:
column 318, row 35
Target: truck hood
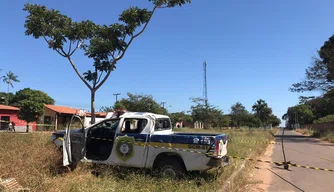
column 62, row 132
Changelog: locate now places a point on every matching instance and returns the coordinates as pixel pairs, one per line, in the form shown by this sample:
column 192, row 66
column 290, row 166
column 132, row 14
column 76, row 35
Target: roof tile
column 62, row 109
column 6, row 107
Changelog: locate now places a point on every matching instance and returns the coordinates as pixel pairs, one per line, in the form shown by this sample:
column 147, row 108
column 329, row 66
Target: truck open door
column 74, row 144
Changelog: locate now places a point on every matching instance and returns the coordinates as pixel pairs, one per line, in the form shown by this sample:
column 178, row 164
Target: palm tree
column 9, row 78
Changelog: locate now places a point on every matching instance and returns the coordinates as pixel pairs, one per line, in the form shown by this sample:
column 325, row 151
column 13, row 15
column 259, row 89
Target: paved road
column 300, row 179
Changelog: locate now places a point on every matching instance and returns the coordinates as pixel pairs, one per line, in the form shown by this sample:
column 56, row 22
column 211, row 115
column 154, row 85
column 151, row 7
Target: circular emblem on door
column 124, row 147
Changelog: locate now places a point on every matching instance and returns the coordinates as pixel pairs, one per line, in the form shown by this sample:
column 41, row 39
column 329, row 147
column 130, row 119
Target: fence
column 321, row 127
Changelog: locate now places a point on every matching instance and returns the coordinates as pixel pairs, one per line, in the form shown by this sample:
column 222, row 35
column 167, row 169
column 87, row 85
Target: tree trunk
column 92, row 107
column 7, row 98
column 27, row 130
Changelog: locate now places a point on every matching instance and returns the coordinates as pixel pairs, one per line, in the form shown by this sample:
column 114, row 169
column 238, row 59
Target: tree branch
column 77, row 72
column 64, row 55
column 99, row 78
column 134, row 36
column 78, row 45
column 107, row 75
column 70, row 47
column 95, row 80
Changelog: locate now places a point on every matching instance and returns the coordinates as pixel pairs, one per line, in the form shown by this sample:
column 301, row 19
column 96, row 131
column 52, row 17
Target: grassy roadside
column 325, row 136
column 33, row 161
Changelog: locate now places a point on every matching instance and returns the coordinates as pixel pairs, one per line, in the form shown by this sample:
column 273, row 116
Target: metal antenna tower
column 205, row 91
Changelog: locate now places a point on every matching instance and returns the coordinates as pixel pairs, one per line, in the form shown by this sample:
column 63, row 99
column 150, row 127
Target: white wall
column 88, row 119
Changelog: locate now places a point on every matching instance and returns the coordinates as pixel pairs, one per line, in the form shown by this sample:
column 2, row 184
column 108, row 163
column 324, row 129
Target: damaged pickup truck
column 143, row 140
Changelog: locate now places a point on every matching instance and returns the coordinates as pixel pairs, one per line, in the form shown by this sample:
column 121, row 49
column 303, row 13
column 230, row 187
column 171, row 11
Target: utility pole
column 116, row 94
column 163, row 104
column 205, row 91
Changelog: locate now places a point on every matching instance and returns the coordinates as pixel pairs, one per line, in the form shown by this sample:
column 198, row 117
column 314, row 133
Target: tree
column 262, row 111
column 180, row 116
column 116, row 106
column 253, row 121
column 238, row 114
column 320, row 75
column 104, row 44
column 301, row 114
column 206, row 113
column 30, row 111
column 28, row 94
column 9, row 78
column 275, row 121
column 141, row 103
column 6, row 96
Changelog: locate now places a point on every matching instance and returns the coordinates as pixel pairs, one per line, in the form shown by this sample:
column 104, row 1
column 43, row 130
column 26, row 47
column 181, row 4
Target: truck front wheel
column 171, row 168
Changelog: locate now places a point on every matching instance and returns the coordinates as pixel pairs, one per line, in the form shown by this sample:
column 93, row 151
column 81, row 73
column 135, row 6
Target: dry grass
column 33, row 160
column 325, row 136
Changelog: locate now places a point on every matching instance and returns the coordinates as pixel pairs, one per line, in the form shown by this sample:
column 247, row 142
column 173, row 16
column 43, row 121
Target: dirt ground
column 261, row 177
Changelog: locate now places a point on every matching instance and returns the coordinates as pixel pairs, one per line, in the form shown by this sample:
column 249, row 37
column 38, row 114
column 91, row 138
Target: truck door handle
column 139, row 140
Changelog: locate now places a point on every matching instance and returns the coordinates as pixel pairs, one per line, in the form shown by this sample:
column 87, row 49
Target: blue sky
column 254, row 49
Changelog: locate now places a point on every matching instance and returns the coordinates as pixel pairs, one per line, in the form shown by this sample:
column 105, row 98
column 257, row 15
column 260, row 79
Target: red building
column 10, row 114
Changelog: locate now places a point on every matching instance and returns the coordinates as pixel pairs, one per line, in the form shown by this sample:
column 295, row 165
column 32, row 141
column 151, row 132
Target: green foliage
column 30, row 111
column 106, row 109
column 210, row 115
column 262, row 111
column 141, row 103
column 104, row 44
column 320, row 75
column 4, row 96
column 326, row 119
column 253, row 121
column 9, row 78
column 239, row 115
column 275, row 121
column 303, row 112
column 28, row 94
column 180, row 116
column 118, row 105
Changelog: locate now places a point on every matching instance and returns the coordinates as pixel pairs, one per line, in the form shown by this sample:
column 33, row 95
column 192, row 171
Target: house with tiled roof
column 57, row 117
column 9, row 114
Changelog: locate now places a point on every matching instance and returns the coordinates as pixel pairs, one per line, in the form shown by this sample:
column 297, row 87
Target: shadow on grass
column 126, row 173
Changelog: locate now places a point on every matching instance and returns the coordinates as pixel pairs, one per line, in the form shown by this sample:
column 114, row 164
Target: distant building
column 58, row 117
column 182, row 124
column 99, row 116
column 10, row 114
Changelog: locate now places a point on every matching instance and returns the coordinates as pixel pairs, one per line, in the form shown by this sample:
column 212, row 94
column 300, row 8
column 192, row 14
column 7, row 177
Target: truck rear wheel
column 170, row 168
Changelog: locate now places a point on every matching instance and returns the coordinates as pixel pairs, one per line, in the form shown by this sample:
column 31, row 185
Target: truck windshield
column 108, row 124
column 162, row 124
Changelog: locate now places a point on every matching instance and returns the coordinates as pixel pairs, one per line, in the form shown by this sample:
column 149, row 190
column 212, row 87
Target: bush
column 326, row 119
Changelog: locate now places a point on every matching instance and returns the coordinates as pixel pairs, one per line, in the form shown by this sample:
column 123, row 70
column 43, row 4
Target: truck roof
column 129, row 114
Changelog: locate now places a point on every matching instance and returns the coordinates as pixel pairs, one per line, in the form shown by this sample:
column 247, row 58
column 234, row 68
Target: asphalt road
column 306, row 151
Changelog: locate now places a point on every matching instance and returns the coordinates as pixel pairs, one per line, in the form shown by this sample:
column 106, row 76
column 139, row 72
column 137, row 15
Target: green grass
column 33, row 160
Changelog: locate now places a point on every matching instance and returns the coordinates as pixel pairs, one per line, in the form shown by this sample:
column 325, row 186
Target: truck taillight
column 217, row 148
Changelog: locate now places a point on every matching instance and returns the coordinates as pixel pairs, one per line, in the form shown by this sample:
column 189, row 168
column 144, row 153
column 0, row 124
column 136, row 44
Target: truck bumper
column 218, row 162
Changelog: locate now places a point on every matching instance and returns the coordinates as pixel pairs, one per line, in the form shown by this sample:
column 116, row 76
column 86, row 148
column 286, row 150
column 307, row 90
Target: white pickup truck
column 144, row 140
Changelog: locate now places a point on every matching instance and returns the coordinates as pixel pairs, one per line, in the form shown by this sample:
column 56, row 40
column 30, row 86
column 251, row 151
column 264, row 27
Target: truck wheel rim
column 169, row 172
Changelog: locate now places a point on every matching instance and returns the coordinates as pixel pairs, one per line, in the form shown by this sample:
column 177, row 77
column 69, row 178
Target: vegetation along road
column 300, row 150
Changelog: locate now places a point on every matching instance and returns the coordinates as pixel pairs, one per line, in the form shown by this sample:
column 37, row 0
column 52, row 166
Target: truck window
column 133, row 125
column 109, row 124
column 162, row 124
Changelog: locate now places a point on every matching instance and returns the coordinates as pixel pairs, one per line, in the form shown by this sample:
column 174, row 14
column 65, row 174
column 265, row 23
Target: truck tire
column 171, row 168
